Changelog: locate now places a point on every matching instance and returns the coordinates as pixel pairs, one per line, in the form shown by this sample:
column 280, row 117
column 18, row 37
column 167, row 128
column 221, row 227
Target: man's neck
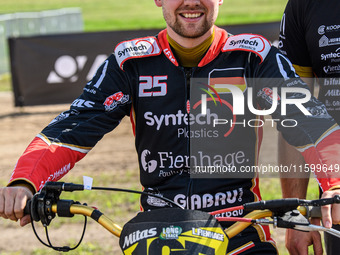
column 189, row 42
column 190, row 57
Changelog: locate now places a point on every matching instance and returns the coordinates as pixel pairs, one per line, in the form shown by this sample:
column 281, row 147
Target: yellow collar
column 190, row 57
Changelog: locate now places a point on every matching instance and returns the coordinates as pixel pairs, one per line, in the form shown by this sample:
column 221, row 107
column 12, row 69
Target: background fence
column 66, row 20
column 66, row 62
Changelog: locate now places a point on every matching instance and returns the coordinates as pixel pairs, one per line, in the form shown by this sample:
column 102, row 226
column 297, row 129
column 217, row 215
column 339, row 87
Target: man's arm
column 293, row 186
column 68, row 138
column 297, row 242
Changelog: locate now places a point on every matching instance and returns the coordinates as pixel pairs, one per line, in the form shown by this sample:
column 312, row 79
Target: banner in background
column 53, row 69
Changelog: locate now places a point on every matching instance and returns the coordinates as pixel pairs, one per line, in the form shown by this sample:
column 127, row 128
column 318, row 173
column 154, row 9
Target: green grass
column 113, row 204
column 142, row 14
column 132, row 14
column 84, row 249
column 5, row 82
column 270, row 189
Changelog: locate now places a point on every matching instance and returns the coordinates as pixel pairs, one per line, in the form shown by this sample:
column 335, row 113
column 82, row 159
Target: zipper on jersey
column 188, row 72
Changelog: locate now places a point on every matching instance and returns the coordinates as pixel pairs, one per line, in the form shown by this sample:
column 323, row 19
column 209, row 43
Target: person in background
column 310, row 38
column 149, row 79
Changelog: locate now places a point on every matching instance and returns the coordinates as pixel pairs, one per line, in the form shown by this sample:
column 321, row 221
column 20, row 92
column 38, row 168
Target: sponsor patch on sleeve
column 137, row 48
column 114, row 100
column 248, row 42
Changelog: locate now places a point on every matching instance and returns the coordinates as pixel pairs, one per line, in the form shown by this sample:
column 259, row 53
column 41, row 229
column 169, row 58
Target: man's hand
column 12, row 203
column 297, row 242
column 330, row 213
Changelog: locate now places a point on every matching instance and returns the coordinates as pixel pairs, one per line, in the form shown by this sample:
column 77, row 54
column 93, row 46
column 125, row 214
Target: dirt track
column 19, row 126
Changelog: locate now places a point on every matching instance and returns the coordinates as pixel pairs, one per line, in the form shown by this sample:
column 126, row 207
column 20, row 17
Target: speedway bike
column 174, row 230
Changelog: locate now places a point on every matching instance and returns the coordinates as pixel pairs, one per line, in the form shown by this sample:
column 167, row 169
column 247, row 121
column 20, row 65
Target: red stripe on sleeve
column 324, row 160
column 42, row 162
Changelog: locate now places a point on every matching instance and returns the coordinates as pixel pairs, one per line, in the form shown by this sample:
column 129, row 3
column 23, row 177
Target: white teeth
column 191, row 15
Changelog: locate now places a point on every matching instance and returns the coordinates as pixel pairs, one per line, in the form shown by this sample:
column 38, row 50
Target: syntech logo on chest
column 138, row 48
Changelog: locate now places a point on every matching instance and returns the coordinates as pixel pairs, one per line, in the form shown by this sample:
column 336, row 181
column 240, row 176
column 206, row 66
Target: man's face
column 190, row 18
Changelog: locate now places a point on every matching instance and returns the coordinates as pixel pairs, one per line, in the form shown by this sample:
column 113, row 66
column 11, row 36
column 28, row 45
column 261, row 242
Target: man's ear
column 159, row 3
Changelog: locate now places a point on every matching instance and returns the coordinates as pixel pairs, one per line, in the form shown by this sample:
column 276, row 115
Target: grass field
column 136, row 14
column 133, row 14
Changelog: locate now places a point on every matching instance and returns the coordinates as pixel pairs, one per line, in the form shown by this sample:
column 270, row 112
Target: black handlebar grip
column 27, row 208
column 285, row 204
column 336, row 199
column 62, row 186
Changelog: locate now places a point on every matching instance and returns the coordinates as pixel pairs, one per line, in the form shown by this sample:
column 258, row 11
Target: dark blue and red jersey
column 143, row 80
column 310, row 38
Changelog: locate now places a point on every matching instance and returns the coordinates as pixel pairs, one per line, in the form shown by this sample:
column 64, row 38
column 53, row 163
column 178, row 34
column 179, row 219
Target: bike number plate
column 173, row 231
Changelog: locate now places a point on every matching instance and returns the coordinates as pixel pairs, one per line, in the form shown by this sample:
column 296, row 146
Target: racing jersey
column 310, row 37
column 143, row 80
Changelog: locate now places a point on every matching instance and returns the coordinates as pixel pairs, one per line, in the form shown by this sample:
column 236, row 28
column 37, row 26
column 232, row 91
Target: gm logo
column 68, row 68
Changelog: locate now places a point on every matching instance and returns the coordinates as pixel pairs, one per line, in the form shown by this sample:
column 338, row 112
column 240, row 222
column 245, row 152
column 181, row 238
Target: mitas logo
column 139, row 235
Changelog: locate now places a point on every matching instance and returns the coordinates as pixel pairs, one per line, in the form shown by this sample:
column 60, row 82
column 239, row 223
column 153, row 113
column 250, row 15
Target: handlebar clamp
column 336, row 199
column 41, row 204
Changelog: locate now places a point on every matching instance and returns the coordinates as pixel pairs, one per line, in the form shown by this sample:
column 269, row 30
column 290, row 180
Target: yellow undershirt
column 190, row 57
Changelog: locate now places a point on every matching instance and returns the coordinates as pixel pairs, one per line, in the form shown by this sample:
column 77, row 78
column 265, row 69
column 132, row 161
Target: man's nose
column 192, row 2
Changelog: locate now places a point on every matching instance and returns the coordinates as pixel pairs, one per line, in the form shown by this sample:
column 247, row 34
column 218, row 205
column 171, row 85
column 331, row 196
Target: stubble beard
column 188, row 30
column 191, row 31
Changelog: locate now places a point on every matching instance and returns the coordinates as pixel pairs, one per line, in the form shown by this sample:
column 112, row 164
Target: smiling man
column 189, row 24
column 151, row 80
